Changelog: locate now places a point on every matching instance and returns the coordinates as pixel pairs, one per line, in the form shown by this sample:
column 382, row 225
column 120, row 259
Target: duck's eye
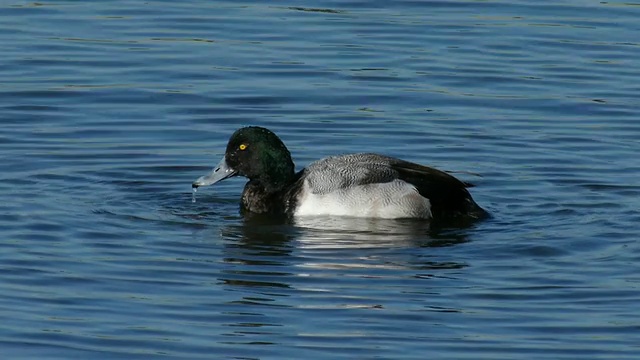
column 242, row 147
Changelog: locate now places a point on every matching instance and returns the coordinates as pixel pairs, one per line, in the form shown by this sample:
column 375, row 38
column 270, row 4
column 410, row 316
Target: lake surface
column 110, row 109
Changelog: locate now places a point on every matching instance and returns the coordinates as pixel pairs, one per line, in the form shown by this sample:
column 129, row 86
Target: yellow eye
column 242, row 147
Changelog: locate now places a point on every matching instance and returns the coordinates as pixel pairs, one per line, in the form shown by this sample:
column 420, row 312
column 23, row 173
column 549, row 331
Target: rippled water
column 110, row 109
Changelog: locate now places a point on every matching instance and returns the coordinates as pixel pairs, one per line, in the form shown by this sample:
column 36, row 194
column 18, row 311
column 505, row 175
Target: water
column 110, row 110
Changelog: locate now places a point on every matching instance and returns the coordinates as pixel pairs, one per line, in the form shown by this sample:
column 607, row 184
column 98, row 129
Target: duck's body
column 361, row 185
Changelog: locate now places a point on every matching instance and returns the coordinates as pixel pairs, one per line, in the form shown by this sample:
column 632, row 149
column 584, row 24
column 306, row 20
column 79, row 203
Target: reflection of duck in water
column 336, row 232
column 360, row 185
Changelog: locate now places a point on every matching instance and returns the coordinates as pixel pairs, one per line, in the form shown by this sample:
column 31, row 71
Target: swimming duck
column 360, row 185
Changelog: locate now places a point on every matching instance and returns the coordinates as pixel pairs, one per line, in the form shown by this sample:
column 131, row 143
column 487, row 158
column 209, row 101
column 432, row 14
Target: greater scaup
column 361, row 185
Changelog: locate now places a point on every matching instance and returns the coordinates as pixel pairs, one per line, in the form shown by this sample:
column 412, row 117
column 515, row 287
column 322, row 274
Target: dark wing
column 448, row 196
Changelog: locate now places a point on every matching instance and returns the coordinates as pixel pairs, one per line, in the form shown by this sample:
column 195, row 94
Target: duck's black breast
column 256, row 199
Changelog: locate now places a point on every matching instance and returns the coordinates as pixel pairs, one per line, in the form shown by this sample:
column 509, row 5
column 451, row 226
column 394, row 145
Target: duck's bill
column 219, row 173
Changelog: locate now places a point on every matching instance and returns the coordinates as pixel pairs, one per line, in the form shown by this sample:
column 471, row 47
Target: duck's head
column 256, row 153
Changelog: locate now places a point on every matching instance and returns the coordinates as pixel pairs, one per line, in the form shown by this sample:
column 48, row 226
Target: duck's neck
column 279, row 173
column 270, row 184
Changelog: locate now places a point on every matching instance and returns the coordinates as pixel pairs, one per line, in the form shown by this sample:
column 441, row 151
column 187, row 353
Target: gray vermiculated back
column 343, row 171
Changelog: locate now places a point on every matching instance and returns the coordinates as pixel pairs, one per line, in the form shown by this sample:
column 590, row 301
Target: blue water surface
column 110, row 109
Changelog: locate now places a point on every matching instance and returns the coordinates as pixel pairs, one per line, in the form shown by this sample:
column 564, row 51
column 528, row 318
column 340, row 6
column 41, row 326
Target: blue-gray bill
column 219, row 173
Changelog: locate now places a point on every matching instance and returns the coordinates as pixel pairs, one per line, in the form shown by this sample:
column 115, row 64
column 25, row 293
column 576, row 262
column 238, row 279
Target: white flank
column 391, row 200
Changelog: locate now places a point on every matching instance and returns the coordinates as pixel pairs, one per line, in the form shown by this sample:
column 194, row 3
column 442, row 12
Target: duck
column 365, row 185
